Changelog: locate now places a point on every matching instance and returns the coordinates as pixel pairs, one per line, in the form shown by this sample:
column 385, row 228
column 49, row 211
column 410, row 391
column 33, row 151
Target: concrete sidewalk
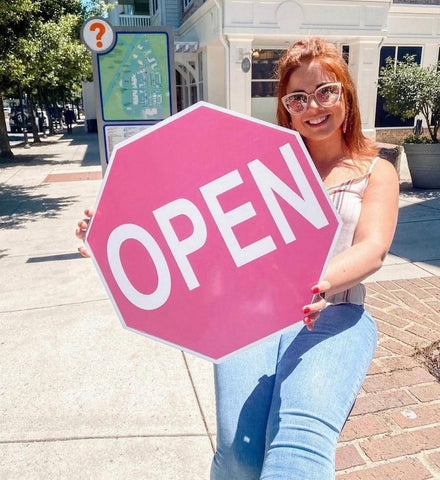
column 83, row 398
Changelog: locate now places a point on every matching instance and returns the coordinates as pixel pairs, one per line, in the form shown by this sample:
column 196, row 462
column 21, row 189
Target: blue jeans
column 281, row 404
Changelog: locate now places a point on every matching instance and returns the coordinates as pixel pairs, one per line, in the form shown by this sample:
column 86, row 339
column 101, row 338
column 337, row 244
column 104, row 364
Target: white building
column 217, row 39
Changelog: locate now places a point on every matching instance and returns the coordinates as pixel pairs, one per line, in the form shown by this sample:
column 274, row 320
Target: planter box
column 423, row 164
column 392, row 153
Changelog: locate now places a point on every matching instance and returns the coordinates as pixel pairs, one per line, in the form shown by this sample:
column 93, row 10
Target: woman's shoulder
column 375, row 166
column 364, row 171
column 382, row 169
column 383, row 179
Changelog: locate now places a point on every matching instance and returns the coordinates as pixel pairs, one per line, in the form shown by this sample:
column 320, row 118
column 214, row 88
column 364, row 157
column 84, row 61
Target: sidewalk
column 83, row 398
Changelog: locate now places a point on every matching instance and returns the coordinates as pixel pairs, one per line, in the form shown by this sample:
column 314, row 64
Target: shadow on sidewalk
column 418, row 227
column 40, row 153
column 20, row 205
column 80, row 136
column 31, row 157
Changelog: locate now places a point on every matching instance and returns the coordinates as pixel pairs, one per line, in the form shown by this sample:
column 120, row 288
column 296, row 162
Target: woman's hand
column 313, row 310
column 81, row 231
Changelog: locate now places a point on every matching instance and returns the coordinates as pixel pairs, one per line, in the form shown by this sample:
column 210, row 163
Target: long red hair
column 317, row 49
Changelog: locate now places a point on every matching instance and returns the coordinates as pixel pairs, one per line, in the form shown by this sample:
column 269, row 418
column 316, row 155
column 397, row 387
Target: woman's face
column 315, row 123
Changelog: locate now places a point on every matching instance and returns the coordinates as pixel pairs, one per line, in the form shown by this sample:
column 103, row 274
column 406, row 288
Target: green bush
column 417, row 139
column 410, row 90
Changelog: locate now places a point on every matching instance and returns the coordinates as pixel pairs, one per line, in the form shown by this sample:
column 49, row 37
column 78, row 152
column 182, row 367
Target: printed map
column 134, row 78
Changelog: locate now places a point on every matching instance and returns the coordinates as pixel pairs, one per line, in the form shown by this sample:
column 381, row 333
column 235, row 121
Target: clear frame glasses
column 326, row 95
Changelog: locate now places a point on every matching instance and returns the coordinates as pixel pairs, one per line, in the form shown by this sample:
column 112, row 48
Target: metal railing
column 134, row 20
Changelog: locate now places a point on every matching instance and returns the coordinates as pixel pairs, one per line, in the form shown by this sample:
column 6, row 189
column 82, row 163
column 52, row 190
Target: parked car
column 16, row 122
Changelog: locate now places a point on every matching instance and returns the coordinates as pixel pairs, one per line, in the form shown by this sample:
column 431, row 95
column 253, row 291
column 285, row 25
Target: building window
column 141, row 7
column 345, row 50
column 200, row 70
column 187, row 4
column 385, row 119
column 189, row 82
column 264, row 65
column 154, row 6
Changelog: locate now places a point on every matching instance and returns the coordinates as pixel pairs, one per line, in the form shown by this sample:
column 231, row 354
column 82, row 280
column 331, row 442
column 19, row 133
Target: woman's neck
column 329, row 157
column 327, row 153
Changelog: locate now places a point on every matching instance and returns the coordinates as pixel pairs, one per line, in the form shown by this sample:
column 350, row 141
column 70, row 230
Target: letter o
column 141, row 300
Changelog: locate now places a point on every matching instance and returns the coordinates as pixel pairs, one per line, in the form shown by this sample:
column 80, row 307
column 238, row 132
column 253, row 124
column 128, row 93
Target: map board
column 133, row 69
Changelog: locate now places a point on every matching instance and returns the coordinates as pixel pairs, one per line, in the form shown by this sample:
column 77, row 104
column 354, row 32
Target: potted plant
column 410, row 90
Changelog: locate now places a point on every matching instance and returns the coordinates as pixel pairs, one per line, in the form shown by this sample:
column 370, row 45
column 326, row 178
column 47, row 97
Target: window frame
column 384, row 119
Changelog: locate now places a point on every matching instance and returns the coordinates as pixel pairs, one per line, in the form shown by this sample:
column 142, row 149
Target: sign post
column 210, row 230
column 133, row 69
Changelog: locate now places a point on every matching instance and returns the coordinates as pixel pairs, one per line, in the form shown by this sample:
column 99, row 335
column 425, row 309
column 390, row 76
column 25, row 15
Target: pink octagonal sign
column 210, row 230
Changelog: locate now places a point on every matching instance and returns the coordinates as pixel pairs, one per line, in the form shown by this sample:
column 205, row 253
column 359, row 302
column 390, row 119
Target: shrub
column 409, row 90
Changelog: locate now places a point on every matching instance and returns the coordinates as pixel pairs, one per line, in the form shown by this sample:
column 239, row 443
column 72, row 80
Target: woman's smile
column 318, row 120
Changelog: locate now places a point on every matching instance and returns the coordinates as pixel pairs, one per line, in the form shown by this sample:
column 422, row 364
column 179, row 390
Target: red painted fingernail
column 306, row 310
column 307, row 320
column 315, row 290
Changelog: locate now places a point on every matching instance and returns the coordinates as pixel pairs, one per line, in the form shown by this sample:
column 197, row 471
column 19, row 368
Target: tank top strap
column 372, row 165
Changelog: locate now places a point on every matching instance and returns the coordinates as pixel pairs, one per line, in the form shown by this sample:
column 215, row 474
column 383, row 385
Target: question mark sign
column 101, row 28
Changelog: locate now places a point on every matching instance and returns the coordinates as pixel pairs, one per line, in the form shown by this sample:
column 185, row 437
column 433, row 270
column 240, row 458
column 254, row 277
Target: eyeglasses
column 326, row 95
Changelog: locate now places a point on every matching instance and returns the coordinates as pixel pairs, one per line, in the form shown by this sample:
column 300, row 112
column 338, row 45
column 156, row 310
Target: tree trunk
column 49, row 114
column 5, row 147
column 77, row 109
column 35, row 134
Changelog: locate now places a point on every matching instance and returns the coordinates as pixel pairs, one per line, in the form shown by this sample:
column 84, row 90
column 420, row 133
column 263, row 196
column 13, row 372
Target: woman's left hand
column 313, row 310
column 81, row 231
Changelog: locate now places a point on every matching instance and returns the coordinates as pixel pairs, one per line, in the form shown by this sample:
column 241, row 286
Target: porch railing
column 134, row 20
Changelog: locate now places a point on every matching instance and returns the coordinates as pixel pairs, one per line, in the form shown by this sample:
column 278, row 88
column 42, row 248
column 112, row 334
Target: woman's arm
column 374, row 231
column 372, row 239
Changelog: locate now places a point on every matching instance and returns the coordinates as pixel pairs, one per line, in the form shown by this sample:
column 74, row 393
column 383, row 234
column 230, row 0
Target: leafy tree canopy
column 40, row 42
column 41, row 49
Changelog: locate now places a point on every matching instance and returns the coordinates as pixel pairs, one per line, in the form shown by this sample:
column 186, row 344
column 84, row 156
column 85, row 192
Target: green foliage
column 41, row 47
column 14, row 23
column 411, row 90
column 96, row 8
column 41, row 51
column 54, row 10
column 417, row 139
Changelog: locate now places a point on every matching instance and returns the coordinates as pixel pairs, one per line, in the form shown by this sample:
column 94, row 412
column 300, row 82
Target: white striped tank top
column 347, row 199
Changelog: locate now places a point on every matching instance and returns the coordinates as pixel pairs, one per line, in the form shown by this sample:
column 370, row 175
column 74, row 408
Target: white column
column 364, row 66
column 215, row 74
column 430, row 54
column 239, row 80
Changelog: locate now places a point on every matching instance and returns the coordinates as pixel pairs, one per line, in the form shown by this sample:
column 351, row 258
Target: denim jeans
column 281, row 404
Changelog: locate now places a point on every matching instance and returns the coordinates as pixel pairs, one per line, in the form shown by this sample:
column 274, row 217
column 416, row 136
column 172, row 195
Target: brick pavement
column 393, row 430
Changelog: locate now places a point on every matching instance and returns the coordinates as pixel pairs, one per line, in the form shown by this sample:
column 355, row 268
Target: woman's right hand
column 318, row 304
column 81, row 231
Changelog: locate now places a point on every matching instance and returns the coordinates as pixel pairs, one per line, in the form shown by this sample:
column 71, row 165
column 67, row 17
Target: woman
column 282, row 404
